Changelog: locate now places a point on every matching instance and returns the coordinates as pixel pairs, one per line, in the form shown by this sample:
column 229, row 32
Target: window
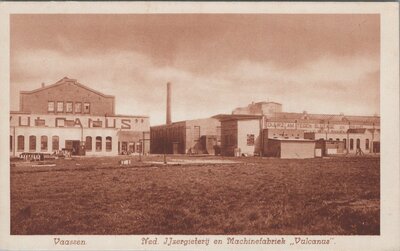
column 60, row 106
column 351, row 144
column 250, row 139
column 86, row 108
column 50, row 106
column 55, row 142
column 98, row 143
column 88, row 143
column 358, row 143
column 330, row 139
column 43, row 143
column 345, row 145
column 337, row 139
column 68, row 107
column 108, row 143
column 32, row 143
column 78, row 107
column 367, row 144
column 21, row 143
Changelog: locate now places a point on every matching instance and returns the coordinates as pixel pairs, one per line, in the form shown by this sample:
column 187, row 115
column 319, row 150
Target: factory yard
column 197, row 195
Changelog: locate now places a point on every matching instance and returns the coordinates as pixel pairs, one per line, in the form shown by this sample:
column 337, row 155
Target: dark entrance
column 73, row 146
column 376, row 147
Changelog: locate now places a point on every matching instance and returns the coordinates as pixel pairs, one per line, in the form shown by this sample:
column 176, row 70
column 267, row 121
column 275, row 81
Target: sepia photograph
column 252, row 126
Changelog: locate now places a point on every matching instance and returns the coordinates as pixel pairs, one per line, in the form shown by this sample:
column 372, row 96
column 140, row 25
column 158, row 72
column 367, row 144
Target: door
column 175, row 148
column 376, row 147
column 75, row 147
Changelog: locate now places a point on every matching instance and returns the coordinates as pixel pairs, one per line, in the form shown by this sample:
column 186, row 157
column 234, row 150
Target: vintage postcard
column 199, row 126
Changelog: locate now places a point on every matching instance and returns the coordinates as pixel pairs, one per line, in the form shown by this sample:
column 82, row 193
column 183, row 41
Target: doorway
column 72, row 146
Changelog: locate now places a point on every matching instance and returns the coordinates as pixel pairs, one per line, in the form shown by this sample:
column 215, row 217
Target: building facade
column 265, row 120
column 199, row 136
column 70, row 116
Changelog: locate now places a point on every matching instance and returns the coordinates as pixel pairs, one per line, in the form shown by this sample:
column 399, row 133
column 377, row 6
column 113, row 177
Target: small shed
column 290, row 148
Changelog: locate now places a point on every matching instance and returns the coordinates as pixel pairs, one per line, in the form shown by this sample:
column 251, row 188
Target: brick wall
column 67, row 91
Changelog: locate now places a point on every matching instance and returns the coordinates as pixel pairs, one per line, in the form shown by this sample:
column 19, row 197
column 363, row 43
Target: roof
column 356, row 130
column 226, row 117
column 293, row 140
column 325, row 117
column 64, row 81
column 268, row 102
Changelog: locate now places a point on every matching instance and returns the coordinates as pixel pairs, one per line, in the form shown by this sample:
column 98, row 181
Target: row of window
column 98, row 144
column 351, row 143
column 68, row 107
column 56, row 143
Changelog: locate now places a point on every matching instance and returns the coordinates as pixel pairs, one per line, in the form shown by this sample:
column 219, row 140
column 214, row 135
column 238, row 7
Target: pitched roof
column 64, row 81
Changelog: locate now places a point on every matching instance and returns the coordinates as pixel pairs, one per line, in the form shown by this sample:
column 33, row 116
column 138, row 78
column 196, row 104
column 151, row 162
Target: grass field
column 338, row 196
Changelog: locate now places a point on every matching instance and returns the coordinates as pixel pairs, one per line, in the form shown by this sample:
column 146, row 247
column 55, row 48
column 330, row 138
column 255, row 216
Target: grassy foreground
column 339, row 196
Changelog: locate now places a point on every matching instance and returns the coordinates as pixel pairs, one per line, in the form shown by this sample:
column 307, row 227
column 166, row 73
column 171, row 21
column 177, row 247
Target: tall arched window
column 55, row 143
column 108, row 143
column 351, row 144
column 32, row 143
column 345, row 145
column 88, row 143
column 98, row 143
column 21, row 143
column 358, row 143
column 43, row 143
column 367, row 144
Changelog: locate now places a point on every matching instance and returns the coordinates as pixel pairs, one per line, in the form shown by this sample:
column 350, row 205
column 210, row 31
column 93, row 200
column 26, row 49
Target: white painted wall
column 246, row 127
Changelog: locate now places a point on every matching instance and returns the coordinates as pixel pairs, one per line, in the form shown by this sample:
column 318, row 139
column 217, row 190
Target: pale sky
column 317, row 63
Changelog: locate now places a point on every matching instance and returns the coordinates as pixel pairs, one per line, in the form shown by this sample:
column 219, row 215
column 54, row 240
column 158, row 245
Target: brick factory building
column 70, row 116
column 246, row 131
column 199, row 136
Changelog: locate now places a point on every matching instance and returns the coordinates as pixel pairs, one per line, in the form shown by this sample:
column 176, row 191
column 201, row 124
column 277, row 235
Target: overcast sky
column 317, row 63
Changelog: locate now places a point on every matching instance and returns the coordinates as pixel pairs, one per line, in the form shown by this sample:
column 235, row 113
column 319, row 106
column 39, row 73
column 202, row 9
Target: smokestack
column 168, row 103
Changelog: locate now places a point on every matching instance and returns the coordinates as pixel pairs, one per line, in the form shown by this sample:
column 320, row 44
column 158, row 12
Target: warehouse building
column 265, row 120
column 199, row 136
column 70, row 116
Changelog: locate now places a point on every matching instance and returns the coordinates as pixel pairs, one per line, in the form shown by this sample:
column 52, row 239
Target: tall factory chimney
column 168, row 103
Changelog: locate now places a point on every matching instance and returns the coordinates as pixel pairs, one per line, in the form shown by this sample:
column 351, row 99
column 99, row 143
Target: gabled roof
column 64, row 81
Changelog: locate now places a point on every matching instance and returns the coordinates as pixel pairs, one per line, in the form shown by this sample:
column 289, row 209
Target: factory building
column 265, row 120
column 199, row 136
column 70, row 116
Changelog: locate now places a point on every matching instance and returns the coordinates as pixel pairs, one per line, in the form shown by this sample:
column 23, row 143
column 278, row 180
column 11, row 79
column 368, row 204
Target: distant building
column 71, row 116
column 200, row 136
column 259, row 108
column 247, row 130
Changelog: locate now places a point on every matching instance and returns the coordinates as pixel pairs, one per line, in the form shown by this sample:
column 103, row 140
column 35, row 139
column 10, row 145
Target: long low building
column 246, row 131
column 73, row 117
